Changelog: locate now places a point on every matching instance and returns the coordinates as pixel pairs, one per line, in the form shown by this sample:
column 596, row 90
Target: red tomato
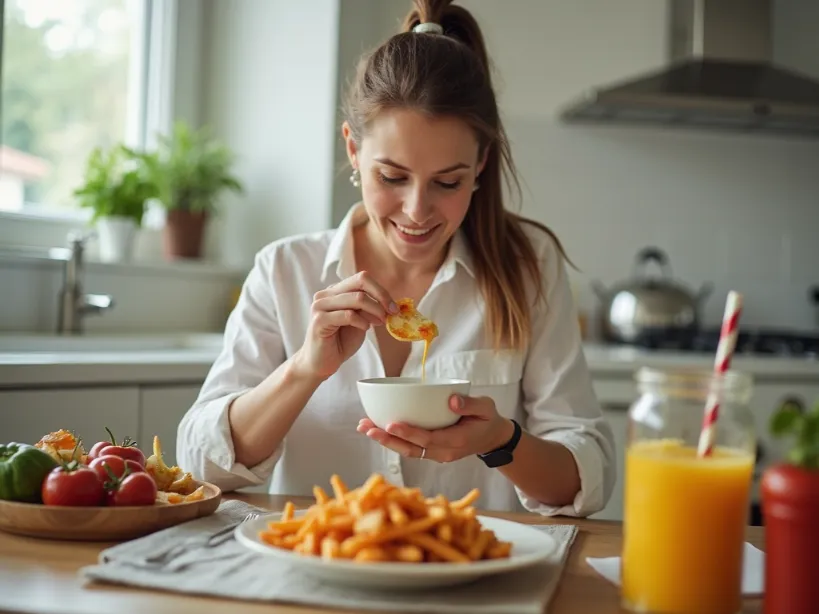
column 73, row 484
column 129, row 452
column 117, row 464
column 128, row 449
column 135, row 489
column 96, row 449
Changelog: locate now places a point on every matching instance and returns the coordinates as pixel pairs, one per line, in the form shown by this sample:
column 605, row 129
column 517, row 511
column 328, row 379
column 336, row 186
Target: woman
column 428, row 149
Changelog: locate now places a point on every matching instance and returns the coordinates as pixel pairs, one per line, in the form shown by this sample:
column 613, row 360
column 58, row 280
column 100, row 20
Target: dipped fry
column 409, row 324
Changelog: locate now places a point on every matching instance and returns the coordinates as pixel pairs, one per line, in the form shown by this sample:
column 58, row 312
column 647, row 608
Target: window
column 73, row 76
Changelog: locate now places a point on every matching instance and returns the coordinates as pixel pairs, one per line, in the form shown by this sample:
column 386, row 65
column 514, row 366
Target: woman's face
column 417, row 179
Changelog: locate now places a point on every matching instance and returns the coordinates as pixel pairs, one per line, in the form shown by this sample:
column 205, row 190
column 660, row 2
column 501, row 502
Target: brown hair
column 449, row 74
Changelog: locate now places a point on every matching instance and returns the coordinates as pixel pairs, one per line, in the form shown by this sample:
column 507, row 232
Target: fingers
column 357, row 301
column 328, row 323
column 362, row 282
column 364, row 425
column 451, row 437
column 480, row 407
column 404, row 448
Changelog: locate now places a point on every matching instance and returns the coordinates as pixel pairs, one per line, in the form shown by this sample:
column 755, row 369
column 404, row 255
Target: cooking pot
column 650, row 310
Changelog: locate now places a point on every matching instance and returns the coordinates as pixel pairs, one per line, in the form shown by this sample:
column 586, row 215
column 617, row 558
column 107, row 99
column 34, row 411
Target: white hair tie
column 428, row 28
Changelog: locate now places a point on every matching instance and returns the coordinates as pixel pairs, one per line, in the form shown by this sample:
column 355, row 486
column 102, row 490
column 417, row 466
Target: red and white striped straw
column 725, row 351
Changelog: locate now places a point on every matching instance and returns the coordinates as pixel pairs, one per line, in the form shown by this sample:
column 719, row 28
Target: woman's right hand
column 341, row 315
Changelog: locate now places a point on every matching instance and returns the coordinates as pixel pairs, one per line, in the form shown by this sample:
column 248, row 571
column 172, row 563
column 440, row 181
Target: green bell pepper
column 23, row 468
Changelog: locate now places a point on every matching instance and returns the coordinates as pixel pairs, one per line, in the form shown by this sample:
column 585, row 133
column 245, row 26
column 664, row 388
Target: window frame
column 154, row 70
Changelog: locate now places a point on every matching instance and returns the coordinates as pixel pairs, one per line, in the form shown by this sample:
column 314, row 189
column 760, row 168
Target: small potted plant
column 790, row 506
column 116, row 191
column 190, row 170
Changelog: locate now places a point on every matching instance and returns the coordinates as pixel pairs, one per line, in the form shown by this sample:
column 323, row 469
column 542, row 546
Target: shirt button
column 394, row 469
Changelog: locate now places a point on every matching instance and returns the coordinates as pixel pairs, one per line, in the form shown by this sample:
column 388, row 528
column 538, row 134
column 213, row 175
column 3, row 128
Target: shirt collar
column 341, row 254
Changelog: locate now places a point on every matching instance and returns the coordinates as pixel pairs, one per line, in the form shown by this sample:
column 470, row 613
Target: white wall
column 363, row 25
column 740, row 212
column 270, row 94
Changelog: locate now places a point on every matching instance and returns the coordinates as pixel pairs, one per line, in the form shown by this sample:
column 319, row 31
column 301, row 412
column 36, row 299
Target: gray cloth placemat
column 231, row 571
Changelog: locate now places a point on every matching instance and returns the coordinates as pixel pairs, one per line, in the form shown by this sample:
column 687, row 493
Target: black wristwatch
column 503, row 455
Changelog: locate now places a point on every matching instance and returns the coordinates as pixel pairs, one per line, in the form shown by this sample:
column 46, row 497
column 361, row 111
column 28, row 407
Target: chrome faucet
column 74, row 305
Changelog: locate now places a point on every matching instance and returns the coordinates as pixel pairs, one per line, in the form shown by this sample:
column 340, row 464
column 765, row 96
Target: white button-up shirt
column 546, row 388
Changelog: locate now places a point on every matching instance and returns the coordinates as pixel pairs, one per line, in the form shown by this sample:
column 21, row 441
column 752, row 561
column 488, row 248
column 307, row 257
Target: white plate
column 529, row 547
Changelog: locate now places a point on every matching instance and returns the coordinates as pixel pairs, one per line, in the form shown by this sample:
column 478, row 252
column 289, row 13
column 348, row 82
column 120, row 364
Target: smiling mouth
column 415, row 232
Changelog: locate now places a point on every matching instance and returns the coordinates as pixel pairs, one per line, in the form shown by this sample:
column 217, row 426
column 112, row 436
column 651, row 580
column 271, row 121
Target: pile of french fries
column 381, row 522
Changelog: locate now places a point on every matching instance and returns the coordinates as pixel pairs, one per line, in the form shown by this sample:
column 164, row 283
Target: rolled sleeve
column 559, row 399
column 252, row 349
column 592, row 495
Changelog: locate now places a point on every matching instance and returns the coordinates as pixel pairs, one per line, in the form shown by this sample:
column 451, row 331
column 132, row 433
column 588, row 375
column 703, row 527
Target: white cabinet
column 162, row 408
column 617, row 417
column 27, row 415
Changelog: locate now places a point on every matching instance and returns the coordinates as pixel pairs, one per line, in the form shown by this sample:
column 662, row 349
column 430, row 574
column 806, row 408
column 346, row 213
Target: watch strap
column 504, row 454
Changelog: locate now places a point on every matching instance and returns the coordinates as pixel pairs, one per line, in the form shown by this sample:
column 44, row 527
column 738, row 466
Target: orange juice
column 684, row 528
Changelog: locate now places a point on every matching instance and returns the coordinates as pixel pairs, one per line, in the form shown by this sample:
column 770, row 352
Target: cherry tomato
column 96, row 449
column 134, row 489
column 117, row 464
column 128, row 449
column 73, row 484
column 128, row 452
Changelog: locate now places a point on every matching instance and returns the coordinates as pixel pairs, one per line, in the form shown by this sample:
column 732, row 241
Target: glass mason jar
column 685, row 515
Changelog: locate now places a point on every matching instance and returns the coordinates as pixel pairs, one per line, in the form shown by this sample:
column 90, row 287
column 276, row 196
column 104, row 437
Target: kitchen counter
column 27, row 565
column 31, row 360
column 36, row 360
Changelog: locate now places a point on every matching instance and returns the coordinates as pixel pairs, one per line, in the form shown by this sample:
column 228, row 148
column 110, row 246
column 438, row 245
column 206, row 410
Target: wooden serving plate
column 102, row 523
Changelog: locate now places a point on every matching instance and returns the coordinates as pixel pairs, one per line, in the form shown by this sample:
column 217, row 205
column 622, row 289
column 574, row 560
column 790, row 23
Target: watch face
column 498, row 459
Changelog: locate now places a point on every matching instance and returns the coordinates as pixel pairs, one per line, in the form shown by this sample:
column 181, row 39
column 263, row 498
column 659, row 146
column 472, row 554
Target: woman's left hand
column 481, row 429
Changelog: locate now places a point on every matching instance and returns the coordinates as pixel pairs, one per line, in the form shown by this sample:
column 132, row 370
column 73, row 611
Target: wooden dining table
column 41, row 575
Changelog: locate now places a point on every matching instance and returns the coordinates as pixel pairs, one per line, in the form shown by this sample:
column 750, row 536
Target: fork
column 220, row 537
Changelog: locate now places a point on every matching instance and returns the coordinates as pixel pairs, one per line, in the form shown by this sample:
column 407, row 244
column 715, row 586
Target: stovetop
column 754, row 342
column 797, row 344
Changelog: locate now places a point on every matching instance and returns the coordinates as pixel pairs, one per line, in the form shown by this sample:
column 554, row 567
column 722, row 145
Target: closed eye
column 390, row 180
column 450, row 186
column 447, row 185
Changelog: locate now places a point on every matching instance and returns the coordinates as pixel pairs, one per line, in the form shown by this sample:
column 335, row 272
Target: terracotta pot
column 183, row 234
column 790, row 505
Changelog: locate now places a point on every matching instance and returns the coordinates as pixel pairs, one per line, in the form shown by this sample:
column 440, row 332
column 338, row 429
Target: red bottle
column 790, row 505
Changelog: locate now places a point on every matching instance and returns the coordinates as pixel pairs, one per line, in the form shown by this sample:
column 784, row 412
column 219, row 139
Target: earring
column 476, row 186
column 355, row 178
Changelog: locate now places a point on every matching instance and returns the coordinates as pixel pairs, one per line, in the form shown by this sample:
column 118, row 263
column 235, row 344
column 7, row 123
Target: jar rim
column 693, row 377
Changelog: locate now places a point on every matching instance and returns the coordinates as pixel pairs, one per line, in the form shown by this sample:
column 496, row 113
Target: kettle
column 650, row 311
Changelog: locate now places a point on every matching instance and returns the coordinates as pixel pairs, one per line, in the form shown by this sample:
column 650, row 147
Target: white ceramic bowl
column 406, row 399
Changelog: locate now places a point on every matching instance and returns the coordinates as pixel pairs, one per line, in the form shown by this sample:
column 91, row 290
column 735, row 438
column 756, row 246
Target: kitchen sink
column 155, row 342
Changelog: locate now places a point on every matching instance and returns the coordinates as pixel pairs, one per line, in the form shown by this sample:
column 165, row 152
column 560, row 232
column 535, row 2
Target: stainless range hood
column 720, row 76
